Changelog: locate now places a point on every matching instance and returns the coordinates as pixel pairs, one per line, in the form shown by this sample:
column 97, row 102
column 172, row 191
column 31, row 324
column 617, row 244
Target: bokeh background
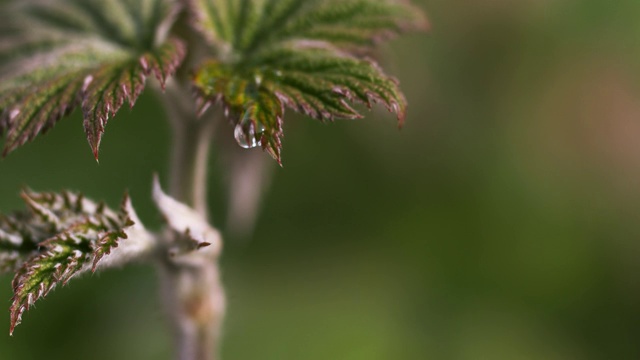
column 501, row 223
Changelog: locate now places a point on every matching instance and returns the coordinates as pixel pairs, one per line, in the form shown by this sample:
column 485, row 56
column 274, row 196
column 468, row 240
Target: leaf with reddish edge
column 62, row 236
column 105, row 90
column 69, row 54
column 310, row 56
column 316, row 79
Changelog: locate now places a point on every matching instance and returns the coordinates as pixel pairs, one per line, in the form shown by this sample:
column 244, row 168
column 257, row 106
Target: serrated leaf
column 312, row 78
column 17, row 242
column 248, row 25
column 62, row 236
column 306, row 55
column 93, row 54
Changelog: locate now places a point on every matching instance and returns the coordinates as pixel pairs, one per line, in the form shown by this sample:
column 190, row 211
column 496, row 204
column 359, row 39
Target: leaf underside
column 58, row 237
column 92, row 54
column 307, row 55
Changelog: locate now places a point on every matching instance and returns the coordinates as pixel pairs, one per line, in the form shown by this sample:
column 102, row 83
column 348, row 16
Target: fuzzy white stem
column 190, row 152
column 191, row 287
column 194, row 296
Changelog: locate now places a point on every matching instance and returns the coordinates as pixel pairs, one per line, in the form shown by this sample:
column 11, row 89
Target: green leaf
column 248, row 25
column 61, row 236
column 93, row 54
column 306, row 55
column 17, row 242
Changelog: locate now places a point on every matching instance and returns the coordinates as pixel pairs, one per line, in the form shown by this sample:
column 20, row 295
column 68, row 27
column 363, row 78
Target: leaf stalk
column 191, row 287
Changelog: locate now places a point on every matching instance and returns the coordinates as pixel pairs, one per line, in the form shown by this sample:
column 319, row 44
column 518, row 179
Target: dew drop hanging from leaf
column 248, row 132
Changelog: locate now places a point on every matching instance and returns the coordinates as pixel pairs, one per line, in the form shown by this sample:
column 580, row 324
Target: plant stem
column 191, row 287
column 189, row 163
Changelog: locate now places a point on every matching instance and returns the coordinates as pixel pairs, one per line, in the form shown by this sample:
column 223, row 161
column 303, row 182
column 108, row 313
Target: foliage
column 311, row 56
column 61, row 236
column 93, row 54
column 307, row 55
column 260, row 57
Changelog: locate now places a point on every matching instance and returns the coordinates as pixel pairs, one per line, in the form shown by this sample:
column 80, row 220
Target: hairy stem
column 191, row 286
column 190, row 153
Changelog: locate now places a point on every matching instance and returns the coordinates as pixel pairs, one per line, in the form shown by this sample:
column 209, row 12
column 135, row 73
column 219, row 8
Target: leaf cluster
column 63, row 235
column 58, row 237
column 311, row 56
column 261, row 58
column 92, row 54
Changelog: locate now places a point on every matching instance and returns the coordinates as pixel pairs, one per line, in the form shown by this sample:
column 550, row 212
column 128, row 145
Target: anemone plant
column 243, row 62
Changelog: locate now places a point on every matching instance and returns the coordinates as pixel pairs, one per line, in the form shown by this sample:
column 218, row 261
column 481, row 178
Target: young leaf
column 248, row 25
column 17, row 242
column 93, row 54
column 61, row 236
column 193, row 232
column 307, row 55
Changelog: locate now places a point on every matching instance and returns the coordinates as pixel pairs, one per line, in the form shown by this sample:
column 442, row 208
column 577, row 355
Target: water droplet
column 246, row 140
column 246, row 133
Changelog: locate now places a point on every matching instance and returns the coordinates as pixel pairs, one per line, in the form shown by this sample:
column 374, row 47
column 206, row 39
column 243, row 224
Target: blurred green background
column 501, row 223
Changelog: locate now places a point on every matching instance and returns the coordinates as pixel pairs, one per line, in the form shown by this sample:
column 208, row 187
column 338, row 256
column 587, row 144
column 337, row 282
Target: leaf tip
column 203, row 245
column 274, row 151
column 99, row 255
column 401, row 113
column 96, row 152
column 94, row 137
column 16, row 316
column 156, row 187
